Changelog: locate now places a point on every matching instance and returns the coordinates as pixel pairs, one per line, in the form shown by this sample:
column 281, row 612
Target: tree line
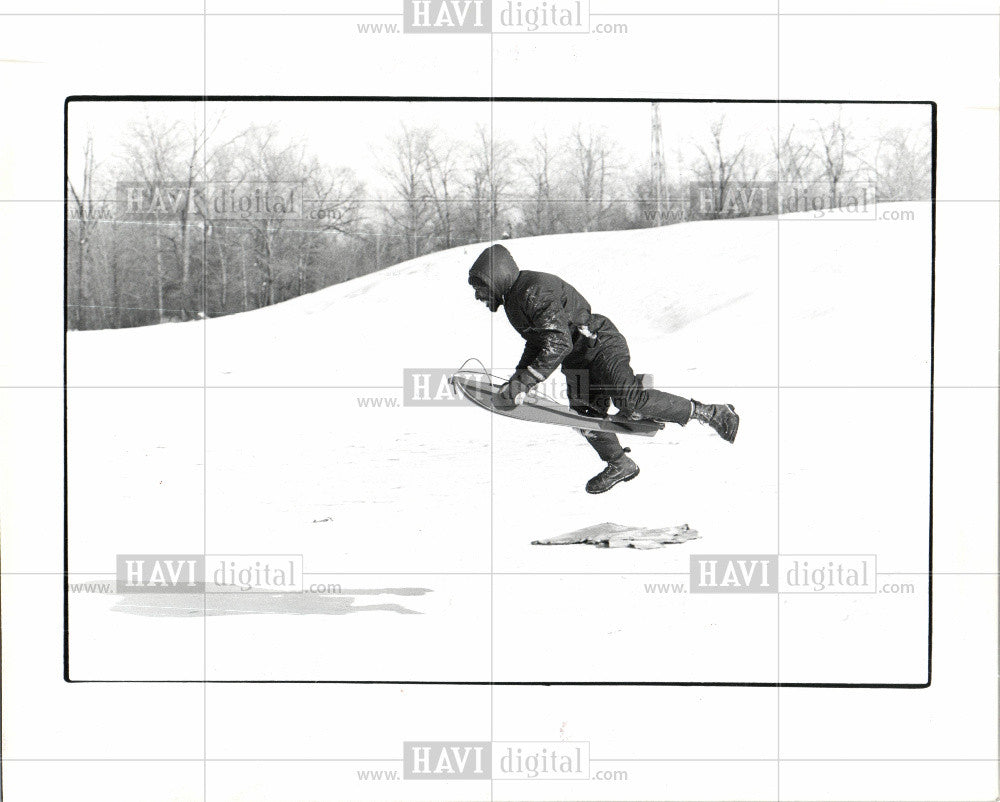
column 183, row 222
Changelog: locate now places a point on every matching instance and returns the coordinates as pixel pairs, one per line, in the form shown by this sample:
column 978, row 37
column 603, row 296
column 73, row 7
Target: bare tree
column 718, row 165
column 836, row 154
column 85, row 225
column 538, row 168
column 184, row 170
column 297, row 201
column 792, row 159
column 336, row 211
column 407, row 174
column 442, row 172
column 729, row 174
column 165, row 156
column 901, row 165
column 490, row 179
column 593, row 170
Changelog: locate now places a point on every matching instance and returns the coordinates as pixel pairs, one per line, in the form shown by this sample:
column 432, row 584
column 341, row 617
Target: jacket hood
column 495, row 268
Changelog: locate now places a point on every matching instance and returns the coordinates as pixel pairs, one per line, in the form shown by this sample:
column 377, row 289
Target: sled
column 480, row 389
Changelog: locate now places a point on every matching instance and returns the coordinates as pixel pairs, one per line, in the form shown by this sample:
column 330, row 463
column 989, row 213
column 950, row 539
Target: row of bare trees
column 445, row 192
column 181, row 256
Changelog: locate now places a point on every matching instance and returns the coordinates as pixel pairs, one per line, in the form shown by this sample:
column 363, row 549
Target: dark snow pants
column 598, row 374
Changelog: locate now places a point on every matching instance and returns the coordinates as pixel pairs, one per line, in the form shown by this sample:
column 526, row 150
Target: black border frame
column 506, row 99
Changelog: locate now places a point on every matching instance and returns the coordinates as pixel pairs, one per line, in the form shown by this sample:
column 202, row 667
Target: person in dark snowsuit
column 560, row 330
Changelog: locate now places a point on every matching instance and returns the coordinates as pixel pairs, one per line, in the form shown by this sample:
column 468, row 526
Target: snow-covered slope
column 835, row 310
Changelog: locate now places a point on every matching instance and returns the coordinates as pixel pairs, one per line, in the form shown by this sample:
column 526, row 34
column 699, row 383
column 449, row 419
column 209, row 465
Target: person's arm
column 530, row 355
column 550, row 338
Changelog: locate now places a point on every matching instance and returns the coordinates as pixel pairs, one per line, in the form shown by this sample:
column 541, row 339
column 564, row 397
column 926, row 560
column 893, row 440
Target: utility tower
column 657, row 172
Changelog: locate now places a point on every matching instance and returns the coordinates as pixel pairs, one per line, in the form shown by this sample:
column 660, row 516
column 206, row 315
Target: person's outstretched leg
column 612, row 364
column 639, row 402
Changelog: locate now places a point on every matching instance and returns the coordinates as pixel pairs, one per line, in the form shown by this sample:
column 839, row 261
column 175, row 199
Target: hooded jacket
column 545, row 310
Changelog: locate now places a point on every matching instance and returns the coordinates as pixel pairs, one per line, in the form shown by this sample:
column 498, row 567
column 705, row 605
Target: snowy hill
column 283, row 454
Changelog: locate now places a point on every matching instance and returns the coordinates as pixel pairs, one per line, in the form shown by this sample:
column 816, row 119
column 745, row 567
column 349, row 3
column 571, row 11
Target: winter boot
column 721, row 417
column 621, row 469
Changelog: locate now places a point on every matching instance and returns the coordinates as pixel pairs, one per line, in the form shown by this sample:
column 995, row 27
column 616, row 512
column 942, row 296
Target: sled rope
column 482, row 369
column 536, row 389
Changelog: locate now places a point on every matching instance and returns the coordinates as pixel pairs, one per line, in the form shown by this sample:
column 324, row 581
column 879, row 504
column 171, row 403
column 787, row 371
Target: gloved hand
column 510, row 395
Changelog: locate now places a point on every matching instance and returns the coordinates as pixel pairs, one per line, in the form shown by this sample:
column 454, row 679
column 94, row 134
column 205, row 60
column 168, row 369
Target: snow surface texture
column 277, row 456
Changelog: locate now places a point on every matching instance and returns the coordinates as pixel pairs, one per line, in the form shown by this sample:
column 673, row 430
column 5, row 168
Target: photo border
column 506, row 99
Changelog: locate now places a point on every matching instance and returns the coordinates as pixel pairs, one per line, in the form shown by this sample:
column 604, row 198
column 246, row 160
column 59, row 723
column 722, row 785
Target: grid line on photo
column 204, row 364
column 258, row 759
column 654, row 14
column 500, row 197
column 997, row 418
column 492, row 439
column 197, row 14
column 500, row 573
column 516, row 199
column 777, row 401
column 397, row 387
